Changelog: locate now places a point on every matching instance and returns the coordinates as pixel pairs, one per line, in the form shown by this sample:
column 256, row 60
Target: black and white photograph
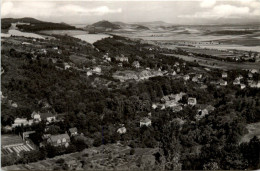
column 130, row 85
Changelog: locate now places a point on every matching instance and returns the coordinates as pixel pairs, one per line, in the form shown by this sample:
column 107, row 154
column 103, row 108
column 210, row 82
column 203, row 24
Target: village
column 47, row 125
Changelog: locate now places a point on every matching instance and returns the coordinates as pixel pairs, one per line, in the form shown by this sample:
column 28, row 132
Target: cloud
column 76, row 9
column 238, row 9
column 49, row 9
column 207, row 3
column 6, row 8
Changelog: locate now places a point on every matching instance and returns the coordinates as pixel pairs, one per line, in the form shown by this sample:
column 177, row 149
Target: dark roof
column 54, row 138
column 46, row 115
column 73, row 130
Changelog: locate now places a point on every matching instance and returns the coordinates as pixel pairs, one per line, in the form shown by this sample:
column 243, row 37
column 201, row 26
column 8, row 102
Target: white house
column 255, row 84
column 48, row 116
column 145, row 122
column 192, row 101
column 36, row 116
column 186, row 77
column 136, row 64
column 96, row 69
column 20, row 121
column 66, row 66
column 222, row 82
column 154, row 106
column 122, row 58
column 121, row 130
column 224, row 75
column 73, row 131
column 236, row 81
column 174, row 73
column 242, row 86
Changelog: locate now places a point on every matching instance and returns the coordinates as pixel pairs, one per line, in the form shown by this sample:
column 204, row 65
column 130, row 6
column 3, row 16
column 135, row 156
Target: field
column 63, row 32
column 199, row 35
column 19, row 33
column 253, row 130
column 213, row 63
column 230, row 47
column 91, row 38
column 113, row 156
column 83, row 35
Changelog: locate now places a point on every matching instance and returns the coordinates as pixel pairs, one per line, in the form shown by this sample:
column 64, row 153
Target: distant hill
column 32, row 25
column 153, row 23
column 106, row 24
column 121, row 24
column 140, row 27
column 132, row 26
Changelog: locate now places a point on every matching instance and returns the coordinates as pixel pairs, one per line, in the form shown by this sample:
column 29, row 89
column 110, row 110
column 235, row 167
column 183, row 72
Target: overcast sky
column 176, row 12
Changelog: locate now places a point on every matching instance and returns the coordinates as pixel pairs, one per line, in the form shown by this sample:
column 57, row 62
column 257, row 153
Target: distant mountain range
column 106, row 25
column 31, row 24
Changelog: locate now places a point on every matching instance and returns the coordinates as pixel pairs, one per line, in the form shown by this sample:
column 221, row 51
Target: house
column 255, row 84
column 174, row 73
column 66, row 65
column 145, row 122
column 222, row 82
column 250, row 75
column 253, row 71
column 242, row 86
column 192, row 101
column 59, row 140
column 122, row 58
column 44, row 51
column 136, row 64
column 121, row 130
column 20, row 122
column 26, row 43
column 96, row 69
column 171, row 103
column 199, row 76
column 224, row 75
column 48, row 116
column 36, row 116
column 120, row 64
column 240, row 77
column 203, row 111
column 236, row 81
column 177, row 108
column 178, row 70
column 44, row 104
column 73, row 131
column 195, row 79
column 89, row 73
column 107, row 58
column 186, row 77
column 154, row 106
column 176, row 64
column 165, row 99
column 12, row 103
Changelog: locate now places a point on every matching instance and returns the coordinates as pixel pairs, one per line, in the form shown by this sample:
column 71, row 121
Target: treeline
column 44, row 26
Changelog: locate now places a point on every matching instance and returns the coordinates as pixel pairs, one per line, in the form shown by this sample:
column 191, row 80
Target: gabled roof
column 54, row 138
column 46, row 115
column 145, row 120
column 73, row 130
